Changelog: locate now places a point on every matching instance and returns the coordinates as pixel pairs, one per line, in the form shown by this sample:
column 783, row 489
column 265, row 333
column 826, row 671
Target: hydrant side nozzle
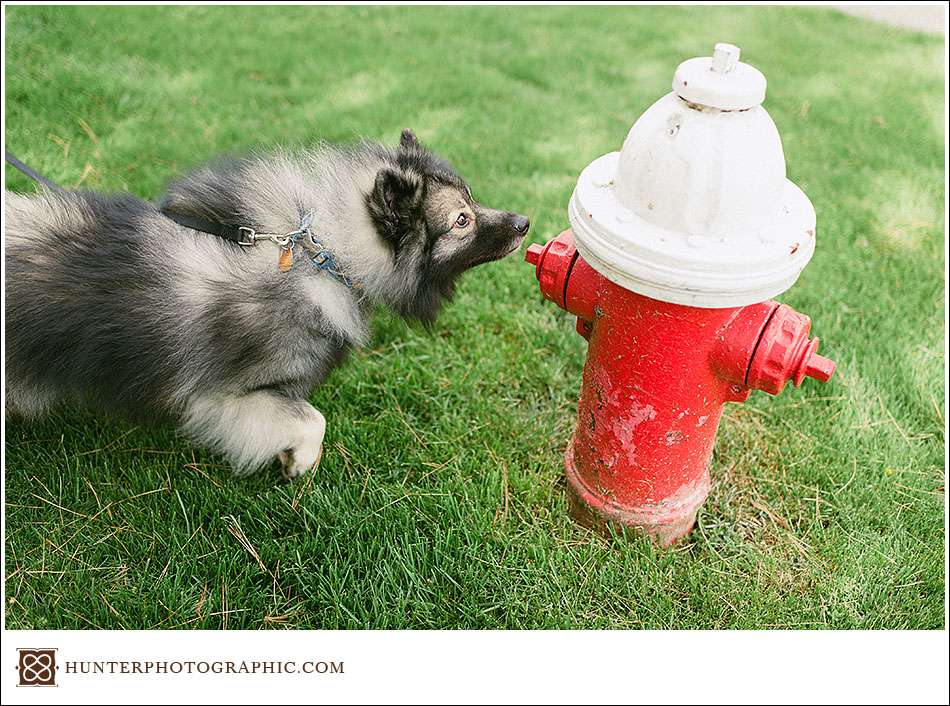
column 553, row 264
column 785, row 353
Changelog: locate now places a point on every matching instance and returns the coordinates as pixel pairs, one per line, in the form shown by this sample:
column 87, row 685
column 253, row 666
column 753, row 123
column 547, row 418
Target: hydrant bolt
column 725, row 57
column 819, row 367
column 533, row 253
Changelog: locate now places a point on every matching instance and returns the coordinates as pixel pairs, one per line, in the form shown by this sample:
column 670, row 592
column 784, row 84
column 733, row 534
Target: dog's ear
column 399, row 192
column 395, row 204
column 408, row 139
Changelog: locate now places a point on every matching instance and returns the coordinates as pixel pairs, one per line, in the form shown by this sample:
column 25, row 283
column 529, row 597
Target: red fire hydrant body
column 682, row 239
column 656, row 379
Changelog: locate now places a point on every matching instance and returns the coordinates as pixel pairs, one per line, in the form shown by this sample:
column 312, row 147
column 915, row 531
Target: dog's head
column 425, row 212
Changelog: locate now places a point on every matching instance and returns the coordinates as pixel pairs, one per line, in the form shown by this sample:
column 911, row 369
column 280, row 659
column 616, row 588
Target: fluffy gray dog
column 112, row 301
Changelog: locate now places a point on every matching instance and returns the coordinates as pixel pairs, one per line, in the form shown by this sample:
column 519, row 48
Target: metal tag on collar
column 285, row 261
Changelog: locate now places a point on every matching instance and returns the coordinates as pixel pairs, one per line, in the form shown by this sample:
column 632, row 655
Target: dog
column 112, row 302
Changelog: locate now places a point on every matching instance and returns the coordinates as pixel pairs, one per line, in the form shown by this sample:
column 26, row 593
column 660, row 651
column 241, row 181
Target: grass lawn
column 440, row 501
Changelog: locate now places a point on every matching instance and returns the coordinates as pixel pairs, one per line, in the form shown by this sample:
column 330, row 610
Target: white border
column 505, row 667
column 508, row 667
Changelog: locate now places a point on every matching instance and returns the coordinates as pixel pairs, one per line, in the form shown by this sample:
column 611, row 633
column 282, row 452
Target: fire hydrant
column 677, row 244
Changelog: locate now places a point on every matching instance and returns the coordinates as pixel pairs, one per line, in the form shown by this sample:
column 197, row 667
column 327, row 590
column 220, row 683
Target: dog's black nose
column 520, row 224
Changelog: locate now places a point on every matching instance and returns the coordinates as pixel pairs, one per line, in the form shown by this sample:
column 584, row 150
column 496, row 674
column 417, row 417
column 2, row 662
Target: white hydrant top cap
column 720, row 81
column 696, row 208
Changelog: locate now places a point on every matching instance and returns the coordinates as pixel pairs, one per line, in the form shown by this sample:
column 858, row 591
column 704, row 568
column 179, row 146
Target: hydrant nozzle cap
column 720, row 81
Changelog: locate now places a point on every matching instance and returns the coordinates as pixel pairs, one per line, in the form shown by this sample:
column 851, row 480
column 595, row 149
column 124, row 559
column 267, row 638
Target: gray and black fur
column 111, row 303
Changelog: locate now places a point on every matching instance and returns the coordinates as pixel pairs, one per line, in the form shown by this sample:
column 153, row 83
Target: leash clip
column 249, row 237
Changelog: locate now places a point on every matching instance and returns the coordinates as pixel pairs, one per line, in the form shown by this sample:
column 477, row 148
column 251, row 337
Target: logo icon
column 37, row 667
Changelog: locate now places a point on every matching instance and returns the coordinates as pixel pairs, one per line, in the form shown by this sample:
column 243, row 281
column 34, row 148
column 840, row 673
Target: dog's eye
column 461, row 221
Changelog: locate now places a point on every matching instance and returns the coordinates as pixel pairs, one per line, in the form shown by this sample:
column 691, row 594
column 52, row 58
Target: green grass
column 440, row 502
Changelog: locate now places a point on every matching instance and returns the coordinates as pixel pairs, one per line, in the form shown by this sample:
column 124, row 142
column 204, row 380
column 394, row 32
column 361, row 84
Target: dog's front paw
column 306, row 454
column 296, row 462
